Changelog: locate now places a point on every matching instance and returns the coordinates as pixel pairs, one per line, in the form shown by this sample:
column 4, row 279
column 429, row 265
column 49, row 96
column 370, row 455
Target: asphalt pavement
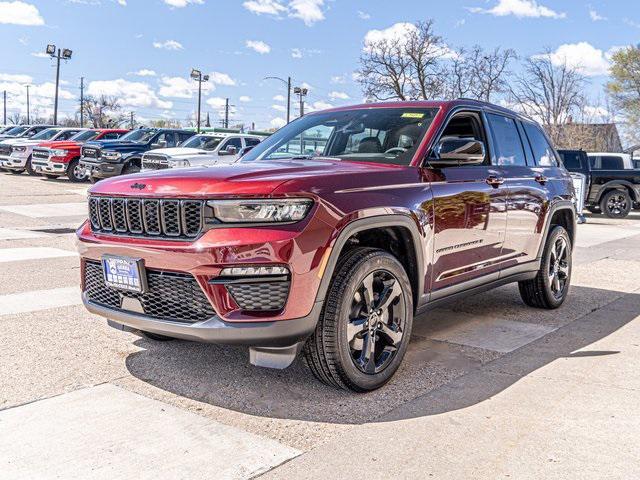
column 489, row 388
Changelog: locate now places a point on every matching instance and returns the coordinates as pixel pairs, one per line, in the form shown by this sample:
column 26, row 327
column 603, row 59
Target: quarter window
column 542, row 151
column 508, row 145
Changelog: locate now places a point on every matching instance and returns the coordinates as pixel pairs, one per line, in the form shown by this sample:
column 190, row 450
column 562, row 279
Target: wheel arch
column 396, row 233
column 618, row 185
column 561, row 213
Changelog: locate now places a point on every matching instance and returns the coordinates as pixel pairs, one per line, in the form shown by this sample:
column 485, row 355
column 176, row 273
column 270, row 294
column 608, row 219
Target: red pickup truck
column 53, row 159
column 331, row 234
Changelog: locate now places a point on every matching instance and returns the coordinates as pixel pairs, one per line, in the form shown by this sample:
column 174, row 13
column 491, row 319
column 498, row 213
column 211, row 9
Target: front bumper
column 101, row 169
column 13, row 162
column 48, row 167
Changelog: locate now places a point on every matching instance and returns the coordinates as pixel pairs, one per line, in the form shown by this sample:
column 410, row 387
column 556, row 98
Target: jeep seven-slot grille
column 161, row 218
column 170, row 296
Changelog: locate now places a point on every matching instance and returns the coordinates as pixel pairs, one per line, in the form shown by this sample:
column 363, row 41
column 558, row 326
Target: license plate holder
column 124, row 273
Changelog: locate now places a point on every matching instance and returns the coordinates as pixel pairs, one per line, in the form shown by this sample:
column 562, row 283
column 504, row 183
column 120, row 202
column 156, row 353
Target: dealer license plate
column 124, row 273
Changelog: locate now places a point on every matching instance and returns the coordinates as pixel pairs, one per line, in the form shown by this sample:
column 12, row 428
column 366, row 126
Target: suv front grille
column 154, row 161
column 166, row 218
column 90, row 152
column 170, row 296
column 40, row 153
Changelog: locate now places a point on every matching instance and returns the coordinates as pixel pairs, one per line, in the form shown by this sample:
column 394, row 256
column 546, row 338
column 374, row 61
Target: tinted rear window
column 542, row 151
column 571, row 160
column 508, row 143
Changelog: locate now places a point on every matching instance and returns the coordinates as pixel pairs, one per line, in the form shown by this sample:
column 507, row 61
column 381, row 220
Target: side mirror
column 230, row 150
column 245, row 150
column 454, row 152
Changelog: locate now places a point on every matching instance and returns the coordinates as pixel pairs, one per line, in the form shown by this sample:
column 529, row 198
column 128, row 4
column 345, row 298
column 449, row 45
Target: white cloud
column 9, row 77
column 309, row 11
column 296, row 53
column 182, row 3
column 582, row 56
column 278, row 122
column 337, row 79
column 279, row 108
column 268, row 7
column 363, row 15
column 144, row 72
column 520, row 9
column 180, row 87
column 595, row 16
column 168, row 45
column 216, row 102
column 258, row 46
column 319, row 105
column 218, row 78
column 20, row 13
column 279, row 98
column 131, row 94
column 397, row 32
column 338, row 96
column 245, row 98
column 122, row 3
column 39, row 55
column 460, row 23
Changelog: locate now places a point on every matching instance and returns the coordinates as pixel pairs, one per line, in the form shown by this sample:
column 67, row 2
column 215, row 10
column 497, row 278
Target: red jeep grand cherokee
column 329, row 236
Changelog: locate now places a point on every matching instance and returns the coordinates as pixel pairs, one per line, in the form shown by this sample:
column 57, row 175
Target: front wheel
column 550, row 286
column 130, row 168
column 15, row 172
column 75, row 172
column 365, row 326
column 616, row 204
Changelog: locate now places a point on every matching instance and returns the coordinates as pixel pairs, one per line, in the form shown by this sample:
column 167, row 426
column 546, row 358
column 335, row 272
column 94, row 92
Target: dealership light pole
column 198, row 77
column 81, row 102
column 301, row 92
column 287, row 82
column 57, row 53
column 28, row 120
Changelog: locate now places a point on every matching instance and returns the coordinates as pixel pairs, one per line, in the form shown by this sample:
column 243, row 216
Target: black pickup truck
column 611, row 189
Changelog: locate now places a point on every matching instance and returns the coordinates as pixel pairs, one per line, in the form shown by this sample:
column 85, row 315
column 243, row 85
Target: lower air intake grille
column 171, row 296
column 265, row 296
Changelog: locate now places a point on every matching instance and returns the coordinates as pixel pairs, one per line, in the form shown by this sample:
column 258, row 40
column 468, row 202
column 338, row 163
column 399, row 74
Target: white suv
column 205, row 149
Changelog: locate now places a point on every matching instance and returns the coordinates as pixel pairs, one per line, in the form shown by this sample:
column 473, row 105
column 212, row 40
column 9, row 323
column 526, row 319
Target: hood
column 13, row 141
column 256, row 178
column 117, row 145
column 66, row 144
column 179, row 151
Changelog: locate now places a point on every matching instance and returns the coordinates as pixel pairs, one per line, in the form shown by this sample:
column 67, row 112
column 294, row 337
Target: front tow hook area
column 274, row 357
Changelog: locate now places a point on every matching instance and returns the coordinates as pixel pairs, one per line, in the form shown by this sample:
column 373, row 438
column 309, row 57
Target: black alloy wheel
column 616, row 204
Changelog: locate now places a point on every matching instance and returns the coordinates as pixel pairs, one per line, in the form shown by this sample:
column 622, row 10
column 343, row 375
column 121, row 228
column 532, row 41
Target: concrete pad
column 78, row 191
column 39, row 300
column 485, row 332
column 590, row 235
column 18, row 234
column 108, row 432
column 32, row 253
column 46, row 210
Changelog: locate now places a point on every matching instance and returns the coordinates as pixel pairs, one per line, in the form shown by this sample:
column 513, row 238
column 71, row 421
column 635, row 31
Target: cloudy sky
column 142, row 50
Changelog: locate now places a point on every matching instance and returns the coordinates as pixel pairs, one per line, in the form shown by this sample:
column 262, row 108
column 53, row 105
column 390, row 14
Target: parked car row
column 93, row 154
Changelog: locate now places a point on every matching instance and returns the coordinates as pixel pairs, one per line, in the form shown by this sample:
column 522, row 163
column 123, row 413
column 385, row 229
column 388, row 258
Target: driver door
column 470, row 213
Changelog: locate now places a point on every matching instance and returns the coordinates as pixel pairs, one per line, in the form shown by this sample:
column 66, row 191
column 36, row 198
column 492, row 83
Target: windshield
column 380, row 135
column 16, row 130
column 139, row 136
column 84, row 136
column 204, row 142
column 46, row 134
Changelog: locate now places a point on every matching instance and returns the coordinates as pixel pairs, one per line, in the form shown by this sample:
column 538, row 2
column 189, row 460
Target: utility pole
column 226, row 113
column 28, row 120
column 301, row 92
column 198, row 77
column 58, row 54
column 81, row 102
column 5, row 107
column 132, row 120
column 287, row 82
column 208, row 124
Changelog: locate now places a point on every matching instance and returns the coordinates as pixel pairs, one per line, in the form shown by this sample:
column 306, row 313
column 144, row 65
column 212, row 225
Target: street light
column 57, row 53
column 288, row 85
column 301, row 92
column 198, row 77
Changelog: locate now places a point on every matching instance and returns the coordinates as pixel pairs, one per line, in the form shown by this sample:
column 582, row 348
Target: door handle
column 541, row 179
column 494, row 181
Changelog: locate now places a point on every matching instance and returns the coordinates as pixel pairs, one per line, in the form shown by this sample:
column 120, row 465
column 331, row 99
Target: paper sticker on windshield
column 412, row 115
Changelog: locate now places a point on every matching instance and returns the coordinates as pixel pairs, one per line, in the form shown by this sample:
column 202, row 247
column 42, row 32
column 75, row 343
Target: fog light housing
column 255, row 271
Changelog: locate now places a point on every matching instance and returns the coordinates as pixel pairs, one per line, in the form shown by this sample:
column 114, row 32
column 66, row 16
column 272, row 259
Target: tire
column 130, row 168
column 156, row 337
column 337, row 351
column 15, row 172
column 75, row 173
column 49, row 177
column 542, row 291
column 616, row 204
column 594, row 210
column 30, row 169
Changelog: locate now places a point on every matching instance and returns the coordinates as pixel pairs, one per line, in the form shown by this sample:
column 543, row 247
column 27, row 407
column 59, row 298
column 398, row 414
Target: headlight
column 179, row 163
column 18, row 149
column 112, row 156
column 261, row 211
column 58, row 153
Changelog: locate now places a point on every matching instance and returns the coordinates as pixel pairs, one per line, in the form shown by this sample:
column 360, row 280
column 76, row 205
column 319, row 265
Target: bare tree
column 407, row 67
column 479, row 74
column 549, row 92
column 102, row 111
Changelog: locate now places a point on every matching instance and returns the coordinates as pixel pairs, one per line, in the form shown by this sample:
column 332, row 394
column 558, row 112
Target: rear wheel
column 29, row 168
column 365, row 327
column 616, row 204
column 550, row 286
column 75, row 172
